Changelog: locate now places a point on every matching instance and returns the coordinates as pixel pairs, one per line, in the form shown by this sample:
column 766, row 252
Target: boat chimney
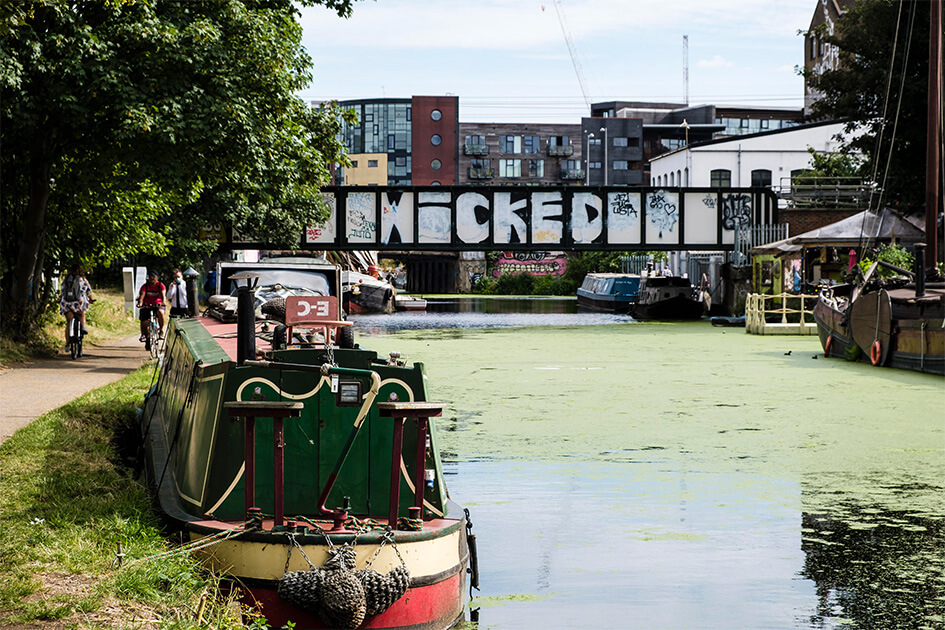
column 919, row 269
column 245, row 316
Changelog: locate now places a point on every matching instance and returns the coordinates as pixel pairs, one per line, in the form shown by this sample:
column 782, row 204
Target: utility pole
column 685, row 71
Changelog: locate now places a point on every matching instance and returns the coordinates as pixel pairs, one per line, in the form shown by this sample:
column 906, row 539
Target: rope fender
column 340, row 595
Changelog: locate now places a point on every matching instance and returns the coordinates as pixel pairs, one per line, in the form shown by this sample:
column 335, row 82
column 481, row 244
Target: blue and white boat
column 608, row 292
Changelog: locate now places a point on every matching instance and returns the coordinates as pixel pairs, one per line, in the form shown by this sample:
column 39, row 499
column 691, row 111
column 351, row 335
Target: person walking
column 151, row 297
column 75, row 299
column 177, row 294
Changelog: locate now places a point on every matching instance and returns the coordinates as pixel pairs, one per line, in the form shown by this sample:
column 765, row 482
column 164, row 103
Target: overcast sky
column 508, row 61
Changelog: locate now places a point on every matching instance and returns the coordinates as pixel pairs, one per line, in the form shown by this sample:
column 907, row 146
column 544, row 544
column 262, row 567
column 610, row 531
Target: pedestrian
column 177, row 294
column 151, row 298
column 75, row 299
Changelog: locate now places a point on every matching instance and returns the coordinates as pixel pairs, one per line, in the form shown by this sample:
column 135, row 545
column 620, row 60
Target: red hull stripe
column 435, row 606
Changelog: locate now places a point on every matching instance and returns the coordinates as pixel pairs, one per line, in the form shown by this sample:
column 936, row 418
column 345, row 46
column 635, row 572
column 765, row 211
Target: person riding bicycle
column 151, row 298
column 75, row 299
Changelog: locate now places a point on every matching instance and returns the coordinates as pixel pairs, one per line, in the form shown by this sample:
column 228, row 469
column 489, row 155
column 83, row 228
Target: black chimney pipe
column 245, row 326
column 919, row 269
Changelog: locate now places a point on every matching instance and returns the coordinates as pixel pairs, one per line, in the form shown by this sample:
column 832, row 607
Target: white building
column 764, row 159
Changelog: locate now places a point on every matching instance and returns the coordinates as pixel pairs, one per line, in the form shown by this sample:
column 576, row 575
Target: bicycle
column 75, row 336
column 153, row 334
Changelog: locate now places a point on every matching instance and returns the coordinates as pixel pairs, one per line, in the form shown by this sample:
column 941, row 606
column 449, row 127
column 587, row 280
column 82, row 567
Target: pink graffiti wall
column 532, row 263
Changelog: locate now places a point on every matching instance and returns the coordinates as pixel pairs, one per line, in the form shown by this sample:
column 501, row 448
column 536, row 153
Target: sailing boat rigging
column 898, row 323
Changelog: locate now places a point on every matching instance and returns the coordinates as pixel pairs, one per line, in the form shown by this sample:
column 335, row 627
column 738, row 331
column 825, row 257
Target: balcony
column 572, row 173
column 560, row 150
column 475, row 149
column 480, row 173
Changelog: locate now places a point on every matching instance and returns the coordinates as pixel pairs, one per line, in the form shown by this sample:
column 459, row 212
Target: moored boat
column 666, row 298
column 307, row 471
column 608, row 292
column 364, row 293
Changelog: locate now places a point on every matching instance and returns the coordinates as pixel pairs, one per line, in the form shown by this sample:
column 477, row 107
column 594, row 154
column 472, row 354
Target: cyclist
column 75, row 299
column 151, row 298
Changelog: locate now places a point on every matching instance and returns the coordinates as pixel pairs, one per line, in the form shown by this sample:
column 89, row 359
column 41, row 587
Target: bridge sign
column 533, row 218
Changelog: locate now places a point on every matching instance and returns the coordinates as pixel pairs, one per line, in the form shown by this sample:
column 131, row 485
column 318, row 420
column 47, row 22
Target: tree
column 129, row 124
column 882, row 43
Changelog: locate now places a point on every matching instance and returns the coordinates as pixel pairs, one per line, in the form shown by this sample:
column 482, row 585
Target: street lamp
column 605, row 166
column 685, row 125
column 587, row 159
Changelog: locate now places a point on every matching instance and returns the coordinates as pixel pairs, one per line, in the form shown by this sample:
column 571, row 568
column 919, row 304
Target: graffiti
column 475, row 277
column 662, row 212
column 521, row 219
column 736, row 211
column 621, row 204
column 534, row 263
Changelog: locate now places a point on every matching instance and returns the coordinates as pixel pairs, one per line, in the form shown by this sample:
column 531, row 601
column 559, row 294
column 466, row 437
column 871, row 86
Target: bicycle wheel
column 152, row 343
column 73, row 340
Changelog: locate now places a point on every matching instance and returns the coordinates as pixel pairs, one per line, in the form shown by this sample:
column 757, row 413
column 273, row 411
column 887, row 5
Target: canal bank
column 677, row 475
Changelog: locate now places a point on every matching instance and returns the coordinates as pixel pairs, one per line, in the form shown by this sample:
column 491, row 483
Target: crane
column 574, row 56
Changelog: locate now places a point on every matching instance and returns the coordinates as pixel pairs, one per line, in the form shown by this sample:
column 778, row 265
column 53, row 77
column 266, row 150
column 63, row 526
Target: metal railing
column 826, row 192
column 572, row 173
column 480, row 173
column 559, row 150
column 476, row 149
column 746, row 238
column 783, row 314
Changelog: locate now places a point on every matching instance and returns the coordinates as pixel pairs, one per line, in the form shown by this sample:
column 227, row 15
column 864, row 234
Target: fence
column 746, row 238
column 784, row 314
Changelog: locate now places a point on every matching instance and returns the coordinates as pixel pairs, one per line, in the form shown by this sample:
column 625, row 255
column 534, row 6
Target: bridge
column 531, row 219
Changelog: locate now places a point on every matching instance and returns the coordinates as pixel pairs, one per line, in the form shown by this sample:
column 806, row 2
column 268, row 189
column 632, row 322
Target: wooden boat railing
column 782, row 314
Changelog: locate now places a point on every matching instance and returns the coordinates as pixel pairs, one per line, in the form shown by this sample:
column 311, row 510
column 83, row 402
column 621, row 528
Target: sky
column 509, row 61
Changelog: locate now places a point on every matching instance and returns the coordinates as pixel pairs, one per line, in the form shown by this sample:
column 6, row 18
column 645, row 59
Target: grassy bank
column 106, row 321
column 66, row 502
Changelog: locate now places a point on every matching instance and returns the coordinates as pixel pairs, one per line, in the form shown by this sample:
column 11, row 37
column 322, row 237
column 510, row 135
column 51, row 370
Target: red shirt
column 152, row 294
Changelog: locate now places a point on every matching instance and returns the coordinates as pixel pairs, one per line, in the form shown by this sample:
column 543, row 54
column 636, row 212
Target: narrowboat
column 667, row 298
column 608, row 292
column 305, row 467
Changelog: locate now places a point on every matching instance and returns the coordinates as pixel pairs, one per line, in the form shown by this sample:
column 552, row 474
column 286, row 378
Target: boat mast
column 933, row 184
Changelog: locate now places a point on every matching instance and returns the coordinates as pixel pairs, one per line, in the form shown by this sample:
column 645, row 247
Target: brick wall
column 801, row 221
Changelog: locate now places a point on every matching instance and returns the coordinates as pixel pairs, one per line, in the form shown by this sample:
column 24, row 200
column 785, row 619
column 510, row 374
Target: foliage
column 892, row 254
column 830, row 165
column 881, row 42
column 128, row 125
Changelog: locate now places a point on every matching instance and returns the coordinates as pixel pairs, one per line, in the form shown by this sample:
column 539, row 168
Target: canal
column 622, row 474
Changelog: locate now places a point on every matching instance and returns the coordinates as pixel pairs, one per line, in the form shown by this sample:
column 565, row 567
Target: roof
column 852, row 231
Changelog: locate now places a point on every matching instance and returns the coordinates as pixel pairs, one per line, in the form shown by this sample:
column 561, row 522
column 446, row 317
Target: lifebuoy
column 876, row 352
column 827, row 345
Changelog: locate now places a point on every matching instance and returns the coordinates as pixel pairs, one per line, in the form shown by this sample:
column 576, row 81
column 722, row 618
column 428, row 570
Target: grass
column 106, row 321
column 66, row 502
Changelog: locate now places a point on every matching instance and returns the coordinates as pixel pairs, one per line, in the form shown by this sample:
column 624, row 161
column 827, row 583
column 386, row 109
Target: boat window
column 284, row 282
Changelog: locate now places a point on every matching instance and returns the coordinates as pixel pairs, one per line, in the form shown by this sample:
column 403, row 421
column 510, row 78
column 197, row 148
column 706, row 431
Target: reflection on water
column 682, row 476
column 485, row 312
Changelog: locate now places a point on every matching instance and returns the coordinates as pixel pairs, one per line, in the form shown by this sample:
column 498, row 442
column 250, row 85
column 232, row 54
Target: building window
column 536, row 168
column 764, row 124
column 593, row 142
column 372, row 163
column 390, row 141
column 558, row 141
column 620, row 141
column 435, row 140
column 400, row 161
column 532, row 145
column 621, row 165
column 510, row 168
column 510, row 144
column 436, row 164
column 591, row 164
column 673, row 143
column 436, row 114
column 720, row 178
column 354, row 164
column 761, row 177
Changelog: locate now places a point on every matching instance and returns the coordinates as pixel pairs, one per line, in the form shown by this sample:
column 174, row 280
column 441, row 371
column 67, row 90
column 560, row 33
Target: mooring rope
column 196, row 545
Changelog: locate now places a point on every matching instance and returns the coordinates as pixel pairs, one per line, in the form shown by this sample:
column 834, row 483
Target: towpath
column 29, row 391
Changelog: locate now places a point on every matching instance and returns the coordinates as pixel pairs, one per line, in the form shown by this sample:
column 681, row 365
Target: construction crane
column 574, row 56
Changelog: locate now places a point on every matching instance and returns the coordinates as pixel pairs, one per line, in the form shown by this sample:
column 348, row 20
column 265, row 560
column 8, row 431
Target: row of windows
column 718, row 178
column 511, row 168
column 512, row 144
column 742, row 126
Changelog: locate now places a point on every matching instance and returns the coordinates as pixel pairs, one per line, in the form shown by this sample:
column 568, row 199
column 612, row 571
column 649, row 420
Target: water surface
column 623, row 474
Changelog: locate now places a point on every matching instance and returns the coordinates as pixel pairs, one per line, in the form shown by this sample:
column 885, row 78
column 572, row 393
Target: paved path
column 29, row 391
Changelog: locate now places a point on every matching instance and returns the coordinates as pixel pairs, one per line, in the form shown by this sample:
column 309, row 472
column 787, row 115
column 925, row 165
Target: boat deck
column 224, row 333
